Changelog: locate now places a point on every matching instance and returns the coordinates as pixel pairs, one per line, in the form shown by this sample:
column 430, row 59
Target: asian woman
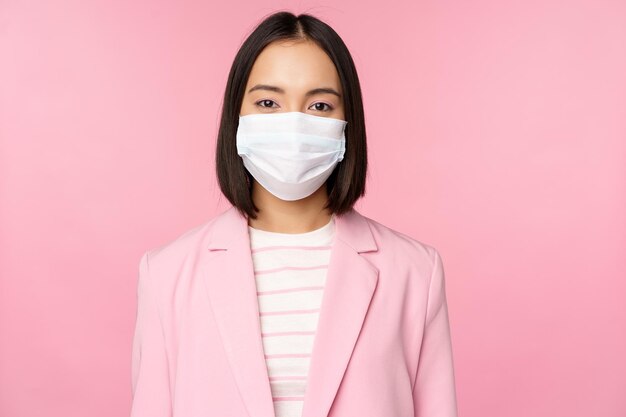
column 291, row 302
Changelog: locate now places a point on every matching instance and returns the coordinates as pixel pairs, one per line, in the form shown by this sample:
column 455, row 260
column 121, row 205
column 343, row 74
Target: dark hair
column 346, row 184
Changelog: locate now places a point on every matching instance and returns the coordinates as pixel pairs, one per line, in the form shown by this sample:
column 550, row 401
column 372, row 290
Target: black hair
column 346, row 184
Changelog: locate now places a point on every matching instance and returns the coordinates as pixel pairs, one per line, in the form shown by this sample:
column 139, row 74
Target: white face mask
column 291, row 154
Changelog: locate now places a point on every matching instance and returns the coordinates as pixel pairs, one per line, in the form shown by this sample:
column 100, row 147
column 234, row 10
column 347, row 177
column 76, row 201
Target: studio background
column 496, row 133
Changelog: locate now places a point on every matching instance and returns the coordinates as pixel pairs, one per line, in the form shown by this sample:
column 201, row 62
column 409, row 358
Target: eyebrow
column 320, row 90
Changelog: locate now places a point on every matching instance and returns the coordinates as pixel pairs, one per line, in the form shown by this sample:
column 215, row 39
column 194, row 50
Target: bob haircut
column 346, row 184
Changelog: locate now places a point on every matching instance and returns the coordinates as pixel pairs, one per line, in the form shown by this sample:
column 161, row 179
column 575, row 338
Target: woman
column 292, row 303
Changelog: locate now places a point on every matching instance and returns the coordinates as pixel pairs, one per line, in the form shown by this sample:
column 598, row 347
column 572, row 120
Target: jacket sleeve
column 434, row 393
column 150, row 375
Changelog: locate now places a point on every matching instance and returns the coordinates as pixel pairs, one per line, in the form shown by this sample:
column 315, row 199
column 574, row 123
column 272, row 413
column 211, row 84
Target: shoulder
column 401, row 245
column 170, row 256
column 408, row 266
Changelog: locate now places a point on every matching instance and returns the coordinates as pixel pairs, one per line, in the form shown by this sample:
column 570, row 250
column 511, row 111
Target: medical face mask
column 291, row 154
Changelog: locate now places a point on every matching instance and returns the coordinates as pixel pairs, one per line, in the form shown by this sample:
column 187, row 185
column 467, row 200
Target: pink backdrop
column 497, row 133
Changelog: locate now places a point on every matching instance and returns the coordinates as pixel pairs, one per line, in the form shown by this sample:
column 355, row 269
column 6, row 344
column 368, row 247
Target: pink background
column 497, row 133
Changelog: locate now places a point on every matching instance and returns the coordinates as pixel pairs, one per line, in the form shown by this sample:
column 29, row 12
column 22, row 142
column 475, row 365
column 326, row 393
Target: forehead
column 294, row 66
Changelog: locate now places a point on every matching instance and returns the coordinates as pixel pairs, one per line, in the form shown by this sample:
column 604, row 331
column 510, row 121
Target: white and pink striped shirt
column 290, row 272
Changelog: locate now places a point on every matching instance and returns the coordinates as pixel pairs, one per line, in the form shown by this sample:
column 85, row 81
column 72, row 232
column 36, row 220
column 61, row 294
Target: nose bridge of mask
column 292, row 122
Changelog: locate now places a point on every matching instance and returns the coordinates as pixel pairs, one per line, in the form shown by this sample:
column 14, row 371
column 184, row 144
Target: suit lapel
column 350, row 285
column 229, row 277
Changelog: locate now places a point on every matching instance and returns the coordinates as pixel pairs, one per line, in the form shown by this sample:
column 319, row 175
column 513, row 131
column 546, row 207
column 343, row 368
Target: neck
column 299, row 216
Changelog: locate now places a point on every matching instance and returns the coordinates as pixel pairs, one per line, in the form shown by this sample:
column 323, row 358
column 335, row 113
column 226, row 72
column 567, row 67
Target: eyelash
column 330, row 108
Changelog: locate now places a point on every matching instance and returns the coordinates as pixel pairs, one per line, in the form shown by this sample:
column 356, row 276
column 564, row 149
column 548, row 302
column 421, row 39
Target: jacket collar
column 351, row 280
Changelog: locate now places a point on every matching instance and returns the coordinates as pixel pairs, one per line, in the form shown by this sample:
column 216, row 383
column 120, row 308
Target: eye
column 320, row 104
column 264, row 101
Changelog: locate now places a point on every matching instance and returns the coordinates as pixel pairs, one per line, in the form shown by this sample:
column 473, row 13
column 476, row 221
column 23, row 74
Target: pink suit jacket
column 382, row 347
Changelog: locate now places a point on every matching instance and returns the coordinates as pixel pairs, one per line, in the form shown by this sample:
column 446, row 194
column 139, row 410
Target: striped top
column 290, row 273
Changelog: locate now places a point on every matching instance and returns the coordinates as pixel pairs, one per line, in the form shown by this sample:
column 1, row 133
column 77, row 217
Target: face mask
column 291, row 154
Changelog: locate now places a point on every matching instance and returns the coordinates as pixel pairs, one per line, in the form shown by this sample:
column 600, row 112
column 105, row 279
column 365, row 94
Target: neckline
column 320, row 233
